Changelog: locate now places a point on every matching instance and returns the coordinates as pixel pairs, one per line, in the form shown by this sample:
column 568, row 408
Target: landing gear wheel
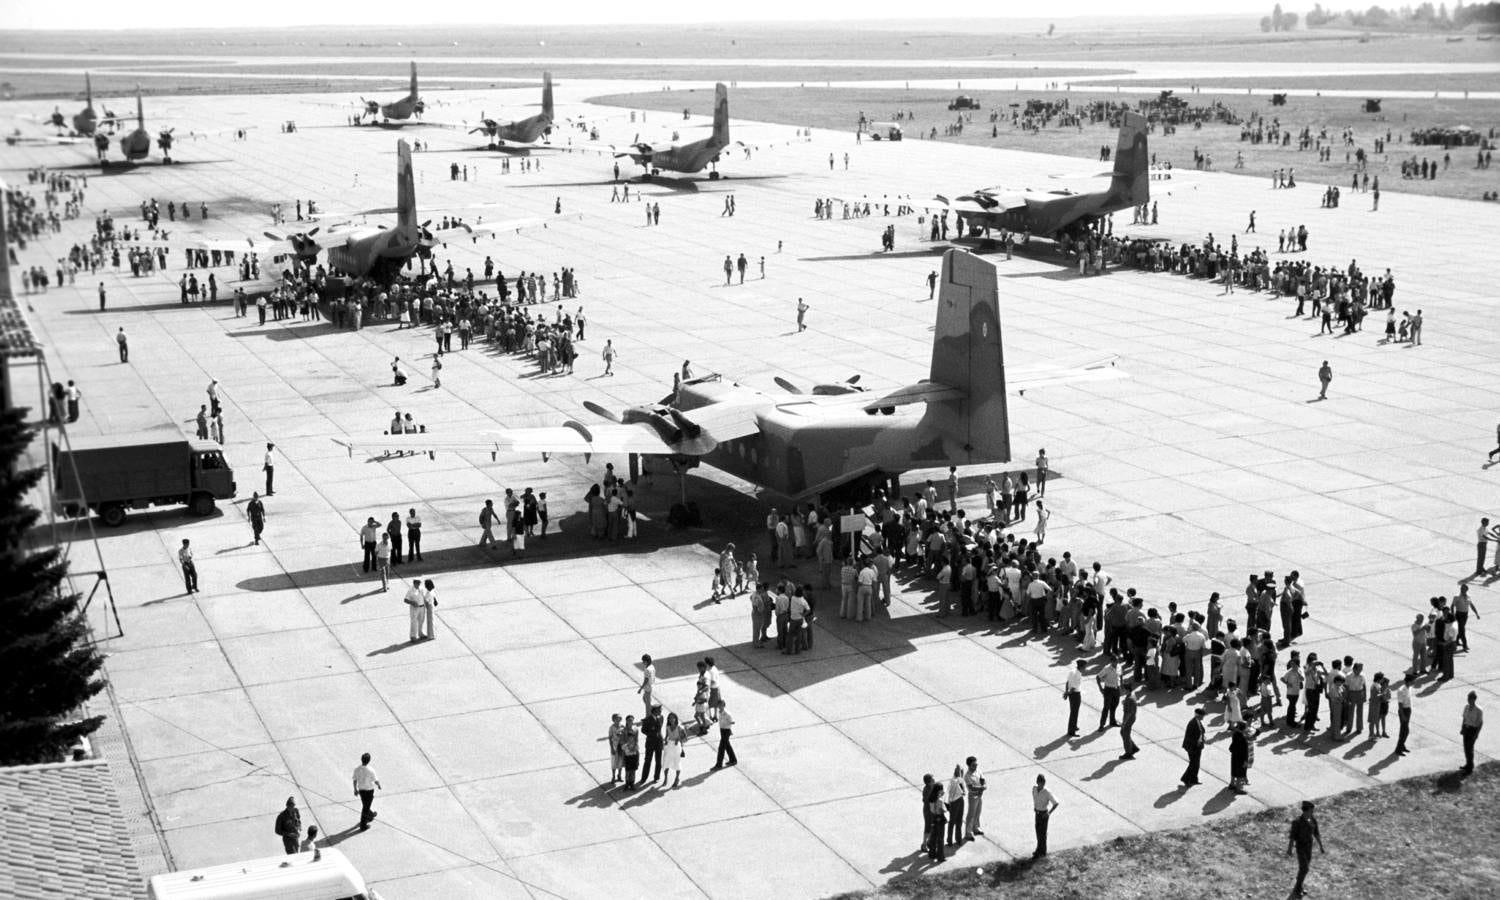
column 202, row 505
column 713, row 176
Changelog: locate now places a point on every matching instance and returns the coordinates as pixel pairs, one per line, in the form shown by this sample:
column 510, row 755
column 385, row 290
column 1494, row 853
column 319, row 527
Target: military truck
column 111, row 474
column 963, row 101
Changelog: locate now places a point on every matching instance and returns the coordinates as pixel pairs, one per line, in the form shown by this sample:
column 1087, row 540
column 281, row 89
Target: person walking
column 365, row 784
column 289, row 825
column 1127, row 723
column 608, row 356
column 383, row 561
column 1042, row 470
column 648, row 681
column 1463, row 606
column 1303, row 833
column 1192, row 742
column 1472, row 723
column 1073, row 693
column 189, row 571
column 726, row 731
column 256, row 510
column 1044, row 805
column 1325, row 378
column 487, row 523
column 975, row 785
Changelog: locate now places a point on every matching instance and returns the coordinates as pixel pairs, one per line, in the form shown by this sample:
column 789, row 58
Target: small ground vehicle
column 113, row 473
column 963, row 101
column 313, row 875
column 885, row 131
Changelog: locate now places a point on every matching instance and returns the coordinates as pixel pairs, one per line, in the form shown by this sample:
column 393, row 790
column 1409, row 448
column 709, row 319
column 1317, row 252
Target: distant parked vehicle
column 885, row 131
column 963, row 101
column 111, row 474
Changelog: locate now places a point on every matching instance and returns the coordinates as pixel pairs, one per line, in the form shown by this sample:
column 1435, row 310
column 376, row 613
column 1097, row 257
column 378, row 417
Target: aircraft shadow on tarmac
column 116, row 169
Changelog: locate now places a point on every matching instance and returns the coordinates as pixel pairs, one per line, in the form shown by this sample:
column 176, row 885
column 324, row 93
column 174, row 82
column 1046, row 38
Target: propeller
column 603, row 413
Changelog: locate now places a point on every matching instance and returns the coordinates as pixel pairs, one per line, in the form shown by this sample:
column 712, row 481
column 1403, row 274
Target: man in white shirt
column 974, row 782
column 1483, row 537
column 797, row 610
column 365, row 783
column 1073, row 693
column 648, row 681
column 1108, row 680
column 865, row 591
column 270, row 469
column 414, row 606
column 1403, row 712
column 413, row 535
column 726, row 730
column 1043, row 803
column 189, row 570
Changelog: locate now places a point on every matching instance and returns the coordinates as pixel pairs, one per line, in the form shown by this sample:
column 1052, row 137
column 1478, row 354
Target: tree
column 48, row 667
column 1289, row 22
column 1265, row 23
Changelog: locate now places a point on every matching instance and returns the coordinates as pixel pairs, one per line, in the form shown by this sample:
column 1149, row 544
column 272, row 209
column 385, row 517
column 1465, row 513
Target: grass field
column 1430, row 836
column 839, row 109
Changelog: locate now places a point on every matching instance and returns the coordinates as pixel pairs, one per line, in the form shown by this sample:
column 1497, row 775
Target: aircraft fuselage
column 687, row 158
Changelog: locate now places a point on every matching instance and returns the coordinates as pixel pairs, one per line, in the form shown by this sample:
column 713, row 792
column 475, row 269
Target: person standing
column 648, row 681
column 414, row 606
column 75, row 396
column 1127, row 723
column 202, row 421
column 1403, row 713
column 651, row 726
column 289, row 825
column 934, row 815
column 393, row 528
column 1042, row 515
column 1462, row 607
column 1073, row 693
column 124, row 344
column 189, row 571
column 1483, row 535
column 413, row 535
column 726, row 730
column 270, row 469
column 369, row 536
column 1192, row 742
column 383, row 561
column 974, row 784
column 102, row 296
column 954, row 794
column 365, row 783
column 802, row 308
column 1042, row 470
column 674, row 749
column 1108, row 681
column 1044, row 804
column 1325, row 378
column 1472, row 723
column 257, row 512
column 1304, row 832
column 429, row 610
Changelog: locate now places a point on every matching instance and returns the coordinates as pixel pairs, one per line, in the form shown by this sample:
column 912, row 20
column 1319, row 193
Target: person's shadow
column 906, row 866
column 1170, row 797
column 1220, row 801
column 333, row 840
column 1042, row 751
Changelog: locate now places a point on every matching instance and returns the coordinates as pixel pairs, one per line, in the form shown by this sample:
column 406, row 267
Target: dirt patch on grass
column 1430, row 836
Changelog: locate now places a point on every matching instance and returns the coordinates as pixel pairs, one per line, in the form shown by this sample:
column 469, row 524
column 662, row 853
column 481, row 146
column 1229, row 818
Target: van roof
column 294, row 877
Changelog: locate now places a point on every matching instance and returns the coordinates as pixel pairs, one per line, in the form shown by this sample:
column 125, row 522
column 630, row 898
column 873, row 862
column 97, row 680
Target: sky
column 115, row 14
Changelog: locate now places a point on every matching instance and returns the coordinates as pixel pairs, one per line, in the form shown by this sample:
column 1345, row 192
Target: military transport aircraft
column 523, row 131
column 1049, row 213
column 691, row 157
column 839, row 437
column 398, row 110
column 137, row 144
column 85, row 122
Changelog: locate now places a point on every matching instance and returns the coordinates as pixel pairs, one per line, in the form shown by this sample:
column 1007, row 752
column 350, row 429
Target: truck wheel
column 202, row 505
column 113, row 515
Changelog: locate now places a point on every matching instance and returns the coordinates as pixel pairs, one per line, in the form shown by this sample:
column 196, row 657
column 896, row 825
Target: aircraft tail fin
column 406, row 191
column 547, row 95
column 721, row 115
column 413, row 94
column 968, row 354
column 1131, row 180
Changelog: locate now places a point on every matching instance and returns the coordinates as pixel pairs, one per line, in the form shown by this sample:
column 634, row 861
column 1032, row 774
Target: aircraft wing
column 492, row 229
column 985, row 201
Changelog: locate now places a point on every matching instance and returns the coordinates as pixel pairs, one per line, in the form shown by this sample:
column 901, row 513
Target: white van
column 325, row 875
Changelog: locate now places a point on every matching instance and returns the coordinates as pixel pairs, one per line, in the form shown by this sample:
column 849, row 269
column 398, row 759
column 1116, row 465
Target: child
column 616, row 758
column 1267, row 695
column 752, row 571
column 716, row 587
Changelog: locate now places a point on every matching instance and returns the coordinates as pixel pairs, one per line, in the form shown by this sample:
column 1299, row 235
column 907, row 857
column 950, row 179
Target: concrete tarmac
column 1208, row 461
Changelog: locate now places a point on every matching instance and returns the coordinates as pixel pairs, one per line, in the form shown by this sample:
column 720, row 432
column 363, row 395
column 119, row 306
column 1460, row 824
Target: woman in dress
column 1007, row 499
column 989, row 495
column 1239, row 759
column 1380, row 704
column 673, row 751
column 595, row 502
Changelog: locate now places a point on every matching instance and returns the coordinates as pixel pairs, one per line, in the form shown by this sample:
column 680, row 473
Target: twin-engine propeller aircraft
column 838, row 438
column 136, row 145
column 398, row 110
column 690, row 157
column 1050, row 213
column 85, row 122
column 522, row 131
